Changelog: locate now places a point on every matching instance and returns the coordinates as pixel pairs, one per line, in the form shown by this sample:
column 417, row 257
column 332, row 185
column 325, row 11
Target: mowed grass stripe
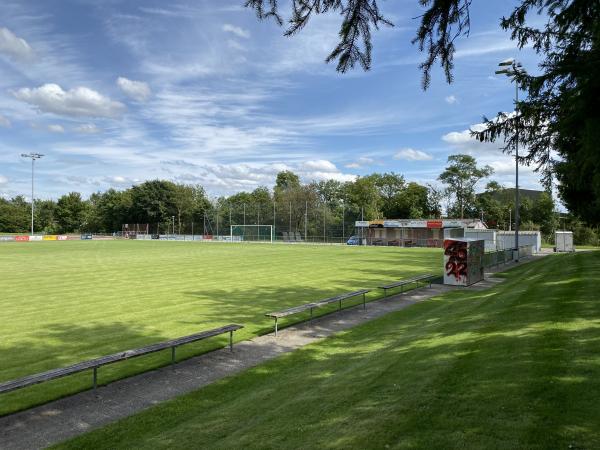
column 63, row 302
column 517, row 366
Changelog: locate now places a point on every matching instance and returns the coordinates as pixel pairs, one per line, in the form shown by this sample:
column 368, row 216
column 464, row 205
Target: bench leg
column 95, row 382
column 384, row 292
column 340, row 306
column 275, row 326
column 231, row 341
column 364, row 302
column 311, row 314
column 172, row 356
column 401, row 288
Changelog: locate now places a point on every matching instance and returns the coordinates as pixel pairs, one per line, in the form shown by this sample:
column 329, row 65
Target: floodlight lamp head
column 507, row 62
column 32, row 155
column 502, row 72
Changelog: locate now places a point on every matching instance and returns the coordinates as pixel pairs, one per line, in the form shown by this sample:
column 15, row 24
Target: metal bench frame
column 94, row 364
column 402, row 283
column 310, row 306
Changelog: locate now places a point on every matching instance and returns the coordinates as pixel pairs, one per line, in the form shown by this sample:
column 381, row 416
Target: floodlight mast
column 33, row 157
column 511, row 68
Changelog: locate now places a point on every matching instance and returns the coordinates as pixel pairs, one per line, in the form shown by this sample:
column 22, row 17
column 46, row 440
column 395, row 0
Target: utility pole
column 362, row 229
column 343, row 221
column 33, row 157
column 324, row 223
column 306, row 220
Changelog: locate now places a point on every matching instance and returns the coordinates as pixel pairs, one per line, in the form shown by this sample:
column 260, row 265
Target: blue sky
column 115, row 92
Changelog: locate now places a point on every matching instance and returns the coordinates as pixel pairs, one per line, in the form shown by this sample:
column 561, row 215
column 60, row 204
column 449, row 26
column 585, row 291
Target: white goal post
column 242, row 233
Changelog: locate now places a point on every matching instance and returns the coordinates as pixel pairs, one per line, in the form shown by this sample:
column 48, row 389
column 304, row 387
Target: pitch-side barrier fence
column 491, row 259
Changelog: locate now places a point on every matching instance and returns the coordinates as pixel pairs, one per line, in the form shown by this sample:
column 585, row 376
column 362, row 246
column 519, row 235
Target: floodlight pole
column 512, row 68
column 517, row 199
column 33, row 157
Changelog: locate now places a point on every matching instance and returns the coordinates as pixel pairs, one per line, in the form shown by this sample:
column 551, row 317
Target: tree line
column 319, row 208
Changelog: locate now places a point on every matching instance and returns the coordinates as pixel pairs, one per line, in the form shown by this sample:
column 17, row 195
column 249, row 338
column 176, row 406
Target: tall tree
column 364, row 194
column 461, row 177
column 286, row 180
column 71, row 212
column 560, row 111
column 390, row 186
column 153, row 202
column 15, row 215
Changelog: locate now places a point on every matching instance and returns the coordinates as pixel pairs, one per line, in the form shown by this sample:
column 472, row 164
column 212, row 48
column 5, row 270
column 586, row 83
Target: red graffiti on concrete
column 456, row 251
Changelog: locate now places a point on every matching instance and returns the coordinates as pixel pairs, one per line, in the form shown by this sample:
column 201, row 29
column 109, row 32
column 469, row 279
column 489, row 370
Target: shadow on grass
column 462, row 371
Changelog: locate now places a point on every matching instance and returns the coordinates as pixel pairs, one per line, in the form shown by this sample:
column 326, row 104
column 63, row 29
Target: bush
column 583, row 235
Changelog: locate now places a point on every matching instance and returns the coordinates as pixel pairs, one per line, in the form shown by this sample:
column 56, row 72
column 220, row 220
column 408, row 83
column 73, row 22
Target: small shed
column 564, row 241
column 463, row 261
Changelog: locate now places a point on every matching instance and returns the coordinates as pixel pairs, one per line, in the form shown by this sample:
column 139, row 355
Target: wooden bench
column 94, row 364
column 402, row 283
column 310, row 306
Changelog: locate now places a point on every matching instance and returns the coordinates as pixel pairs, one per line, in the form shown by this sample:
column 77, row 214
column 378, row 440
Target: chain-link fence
column 290, row 223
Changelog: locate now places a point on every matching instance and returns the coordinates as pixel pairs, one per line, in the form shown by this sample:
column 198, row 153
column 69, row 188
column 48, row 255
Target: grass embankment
column 65, row 302
column 517, row 366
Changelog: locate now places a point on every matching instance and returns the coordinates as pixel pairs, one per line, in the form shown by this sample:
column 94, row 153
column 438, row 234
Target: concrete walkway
column 62, row 419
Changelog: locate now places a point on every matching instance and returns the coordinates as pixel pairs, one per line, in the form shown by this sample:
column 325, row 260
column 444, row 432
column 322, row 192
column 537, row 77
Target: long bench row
column 310, row 306
column 95, row 364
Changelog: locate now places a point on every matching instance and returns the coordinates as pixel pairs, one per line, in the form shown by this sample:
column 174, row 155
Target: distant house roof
column 508, row 194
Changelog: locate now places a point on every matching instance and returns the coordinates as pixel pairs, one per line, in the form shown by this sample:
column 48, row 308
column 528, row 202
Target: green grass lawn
column 514, row 367
column 64, row 302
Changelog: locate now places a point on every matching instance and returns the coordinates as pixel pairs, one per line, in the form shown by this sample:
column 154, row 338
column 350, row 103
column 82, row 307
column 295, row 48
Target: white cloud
column 87, row 128
column 3, row 180
column 321, row 165
column 77, row 102
column 360, row 162
column 465, row 142
column 238, row 31
column 4, row 122
column 490, row 153
column 13, row 46
column 137, row 90
column 410, row 154
column 119, row 181
column 56, row 128
column 451, row 99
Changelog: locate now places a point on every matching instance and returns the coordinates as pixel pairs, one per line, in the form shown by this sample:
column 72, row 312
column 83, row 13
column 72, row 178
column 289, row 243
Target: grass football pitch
column 65, row 302
column 513, row 367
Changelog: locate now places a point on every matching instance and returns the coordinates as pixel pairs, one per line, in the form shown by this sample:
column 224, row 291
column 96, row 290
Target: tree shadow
column 442, row 374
